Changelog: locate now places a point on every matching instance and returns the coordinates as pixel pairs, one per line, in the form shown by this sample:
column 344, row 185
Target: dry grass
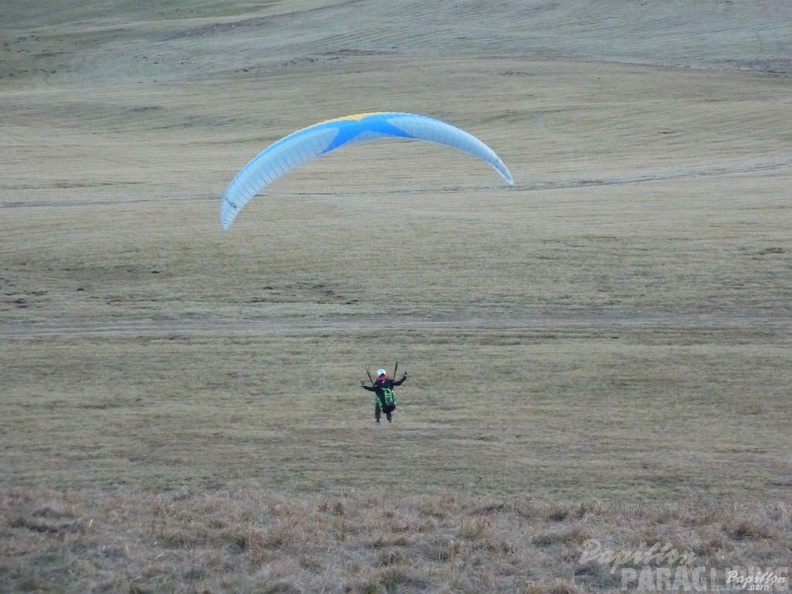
column 601, row 352
column 246, row 541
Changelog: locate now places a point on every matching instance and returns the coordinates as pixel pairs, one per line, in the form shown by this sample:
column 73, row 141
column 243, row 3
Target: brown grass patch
column 78, row 541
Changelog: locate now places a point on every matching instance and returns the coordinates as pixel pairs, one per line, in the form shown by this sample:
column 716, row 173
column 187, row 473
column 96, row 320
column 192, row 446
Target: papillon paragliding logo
column 308, row 143
column 664, row 567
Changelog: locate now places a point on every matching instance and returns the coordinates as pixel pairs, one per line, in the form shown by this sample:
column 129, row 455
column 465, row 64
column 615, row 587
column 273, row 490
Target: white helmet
column 381, row 372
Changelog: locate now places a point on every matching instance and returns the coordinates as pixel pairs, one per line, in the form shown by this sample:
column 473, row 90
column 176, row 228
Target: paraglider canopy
column 295, row 149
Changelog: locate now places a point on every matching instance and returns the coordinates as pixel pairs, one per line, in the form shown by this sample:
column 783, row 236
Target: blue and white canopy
column 295, row 149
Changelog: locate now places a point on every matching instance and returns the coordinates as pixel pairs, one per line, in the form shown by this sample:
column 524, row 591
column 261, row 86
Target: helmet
column 381, row 372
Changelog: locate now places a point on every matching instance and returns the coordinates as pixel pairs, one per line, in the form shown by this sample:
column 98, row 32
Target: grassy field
column 597, row 355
